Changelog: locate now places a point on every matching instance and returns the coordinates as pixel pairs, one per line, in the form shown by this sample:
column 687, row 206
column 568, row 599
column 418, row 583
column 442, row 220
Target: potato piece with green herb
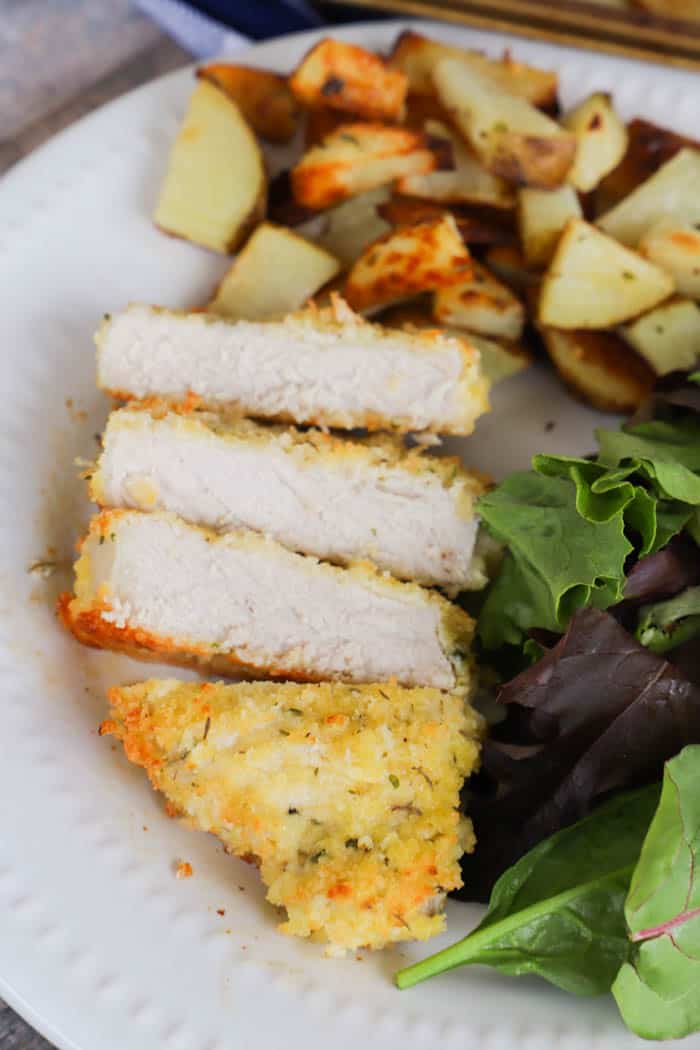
column 407, row 261
column 542, row 216
column 601, row 140
column 480, row 303
column 215, row 187
column 595, row 282
column 276, row 272
column 510, row 137
column 467, row 183
column 675, row 247
column 342, row 76
column 667, row 337
column 672, row 192
column 599, row 368
column 359, row 157
column 417, row 55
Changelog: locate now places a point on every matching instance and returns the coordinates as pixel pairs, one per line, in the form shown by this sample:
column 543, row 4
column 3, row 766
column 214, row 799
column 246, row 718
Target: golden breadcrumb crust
column 347, row 797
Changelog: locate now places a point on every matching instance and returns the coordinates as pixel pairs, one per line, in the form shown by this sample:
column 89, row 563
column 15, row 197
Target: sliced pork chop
column 340, row 500
column 325, row 367
column 347, row 797
column 151, row 583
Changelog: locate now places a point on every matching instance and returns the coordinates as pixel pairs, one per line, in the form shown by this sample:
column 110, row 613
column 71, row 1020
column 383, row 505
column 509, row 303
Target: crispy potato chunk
column 346, row 230
column 542, row 216
column 511, row 137
column 601, row 140
column 511, row 267
column 594, row 282
column 359, row 157
column 668, row 337
column 400, row 210
column 599, row 368
column 675, row 247
column 320, row 122
column 342, row 76
column 417, row 56
column 276, row 272
column 672, row 192
column 407, row 261
column 480, row 303
column 468, row 182
column 215, row 187
column 263, row 98
column 648, row 147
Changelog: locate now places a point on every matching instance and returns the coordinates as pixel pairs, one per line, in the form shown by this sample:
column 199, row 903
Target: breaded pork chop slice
column 328, row 367
column 153, row 584
column 341, row 500
column 346, row 796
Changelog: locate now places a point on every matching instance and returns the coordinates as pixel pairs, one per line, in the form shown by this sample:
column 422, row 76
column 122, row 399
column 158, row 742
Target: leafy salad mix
column 587, row 807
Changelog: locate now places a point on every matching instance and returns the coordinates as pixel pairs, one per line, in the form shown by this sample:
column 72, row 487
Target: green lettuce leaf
column 665, row 625
column 657, row 989
column 557, row 560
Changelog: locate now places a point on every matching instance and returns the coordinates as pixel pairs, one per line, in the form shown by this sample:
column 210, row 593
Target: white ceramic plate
column 101, row 948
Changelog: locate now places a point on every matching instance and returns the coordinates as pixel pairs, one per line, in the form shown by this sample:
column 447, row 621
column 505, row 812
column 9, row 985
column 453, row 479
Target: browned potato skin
column 411, row 54
column 323, row 176
column 426, row 256
column 346, row 77
column 401, row 210
column 599, row 368
column 320, row 123
column 263, row 98
column 532, row 160
column 649, row 147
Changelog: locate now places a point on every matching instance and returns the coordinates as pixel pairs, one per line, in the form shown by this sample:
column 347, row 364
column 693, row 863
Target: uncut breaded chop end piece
column 152, row 584
column 341, row 500
column 346, row 796
column 328, row 367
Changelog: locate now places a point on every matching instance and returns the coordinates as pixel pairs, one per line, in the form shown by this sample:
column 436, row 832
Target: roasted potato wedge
column 276, row 272
column 675, row 247
column 601, row 140
column 320, row 123
column 668, row 337
column 417, row 56
column 542, row 216
column 422, row 108
column 682, row 9
column 510, row 266
column 599, row 368
column 648, row 147
column 346, row 230
column 467, row 183
column 342, row 76
column 359, row 157
column 595, row 282
column 263, row 98
column 499, row 360
column 511, row 138
column 215, row 187
column 672, row 192
column 400, row 210
column 480, row 303
column 405, row 262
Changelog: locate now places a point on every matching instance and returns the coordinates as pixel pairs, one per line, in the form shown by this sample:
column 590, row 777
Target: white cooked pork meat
column 328, row 367
column 338, row 499
column 153, row 584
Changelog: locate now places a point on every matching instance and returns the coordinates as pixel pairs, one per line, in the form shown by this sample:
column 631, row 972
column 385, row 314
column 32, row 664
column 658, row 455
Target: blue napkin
column 210, row 27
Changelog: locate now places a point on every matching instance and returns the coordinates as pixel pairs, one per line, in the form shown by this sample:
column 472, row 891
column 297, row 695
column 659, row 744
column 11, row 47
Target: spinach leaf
column 559, row 912
column 597, row 713
column 657, row 991
column 665, row 625
column 557, row 561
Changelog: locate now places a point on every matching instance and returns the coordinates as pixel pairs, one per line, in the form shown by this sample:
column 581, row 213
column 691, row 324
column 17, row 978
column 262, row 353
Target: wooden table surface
column 59, row 60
